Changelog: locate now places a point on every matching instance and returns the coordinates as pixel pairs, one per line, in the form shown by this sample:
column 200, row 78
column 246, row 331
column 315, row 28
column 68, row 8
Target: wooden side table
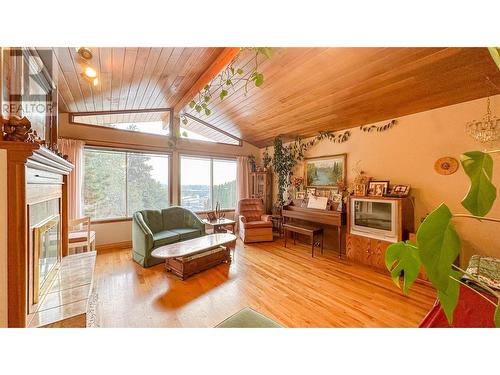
column 220, row 225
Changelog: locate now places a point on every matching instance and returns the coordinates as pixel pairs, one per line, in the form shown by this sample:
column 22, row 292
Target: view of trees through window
column 206, row 181
column 119, row 183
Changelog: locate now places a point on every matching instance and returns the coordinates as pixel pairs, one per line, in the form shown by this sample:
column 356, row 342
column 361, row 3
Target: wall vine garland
column 286, row 157
column 379, row 128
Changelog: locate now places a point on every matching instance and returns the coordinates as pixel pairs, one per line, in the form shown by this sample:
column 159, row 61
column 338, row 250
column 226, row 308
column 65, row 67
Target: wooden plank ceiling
column 130, row 78
column 307, row 90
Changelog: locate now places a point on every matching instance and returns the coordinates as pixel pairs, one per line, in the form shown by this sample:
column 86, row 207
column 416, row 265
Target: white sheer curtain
column 242, row 182
column 74, row 149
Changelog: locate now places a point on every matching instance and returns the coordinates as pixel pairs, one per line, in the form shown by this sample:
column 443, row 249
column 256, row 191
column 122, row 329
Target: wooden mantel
column 19, row 156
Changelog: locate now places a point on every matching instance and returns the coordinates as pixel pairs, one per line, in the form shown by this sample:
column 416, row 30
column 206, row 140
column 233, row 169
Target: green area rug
column 248, row 318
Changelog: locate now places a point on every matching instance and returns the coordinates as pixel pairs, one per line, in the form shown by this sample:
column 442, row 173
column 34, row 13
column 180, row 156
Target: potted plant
column 438, row 243
column 266, row 160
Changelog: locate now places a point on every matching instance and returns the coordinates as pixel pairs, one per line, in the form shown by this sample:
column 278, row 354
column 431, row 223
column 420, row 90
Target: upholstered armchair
column 254, row 224
column 155, row 228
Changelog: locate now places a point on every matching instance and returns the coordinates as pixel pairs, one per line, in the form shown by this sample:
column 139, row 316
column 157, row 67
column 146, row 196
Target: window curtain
column 74, row 149
column 242, row 182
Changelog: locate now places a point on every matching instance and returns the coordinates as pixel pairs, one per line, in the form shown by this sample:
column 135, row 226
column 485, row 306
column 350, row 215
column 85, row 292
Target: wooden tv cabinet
column 371, row 251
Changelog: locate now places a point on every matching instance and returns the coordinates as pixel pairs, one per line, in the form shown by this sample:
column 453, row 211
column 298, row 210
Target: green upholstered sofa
column 155, row 228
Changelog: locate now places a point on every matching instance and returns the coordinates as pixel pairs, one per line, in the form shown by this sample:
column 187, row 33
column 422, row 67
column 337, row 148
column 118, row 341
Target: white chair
column 81, row 236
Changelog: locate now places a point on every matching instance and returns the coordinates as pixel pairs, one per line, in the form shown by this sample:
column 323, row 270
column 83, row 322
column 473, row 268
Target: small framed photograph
column 323, row 193
column 332, row 193
column 311, row 192
column 337, row 198
column 360, row 190
column 211, row 216
column 400, row 190
column 378, row 188
column 300, row 195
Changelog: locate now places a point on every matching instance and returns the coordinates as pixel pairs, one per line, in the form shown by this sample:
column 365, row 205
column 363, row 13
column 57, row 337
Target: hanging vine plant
column 230, row 79
column 495, row 55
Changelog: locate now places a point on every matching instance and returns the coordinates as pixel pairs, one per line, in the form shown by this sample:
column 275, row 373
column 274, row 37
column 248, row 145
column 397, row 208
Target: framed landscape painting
column 325, row 171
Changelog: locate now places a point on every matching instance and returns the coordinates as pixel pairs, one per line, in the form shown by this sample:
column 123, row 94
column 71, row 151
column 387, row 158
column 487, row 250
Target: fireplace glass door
column 47, row 239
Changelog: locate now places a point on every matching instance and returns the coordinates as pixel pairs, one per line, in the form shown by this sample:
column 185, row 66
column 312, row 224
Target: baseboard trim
column 114, row 246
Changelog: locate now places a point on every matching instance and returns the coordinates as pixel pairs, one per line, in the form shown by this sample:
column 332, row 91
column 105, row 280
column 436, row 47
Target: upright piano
column 326, row 218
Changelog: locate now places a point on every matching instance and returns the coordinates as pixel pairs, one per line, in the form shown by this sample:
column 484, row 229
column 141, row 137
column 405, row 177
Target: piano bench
column 312, row 232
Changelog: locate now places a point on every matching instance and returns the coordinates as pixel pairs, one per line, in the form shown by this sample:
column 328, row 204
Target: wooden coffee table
column 186, row 258
column 220, row 225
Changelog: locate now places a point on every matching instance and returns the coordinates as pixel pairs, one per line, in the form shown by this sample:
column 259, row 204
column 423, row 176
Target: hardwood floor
column 285, row 284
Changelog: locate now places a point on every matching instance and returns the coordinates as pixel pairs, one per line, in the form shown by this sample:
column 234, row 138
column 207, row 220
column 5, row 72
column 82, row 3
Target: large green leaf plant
column 438, row 243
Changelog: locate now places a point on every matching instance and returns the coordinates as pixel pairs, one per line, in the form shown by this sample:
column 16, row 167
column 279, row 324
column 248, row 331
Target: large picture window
column 206, row 181
column 118, row 183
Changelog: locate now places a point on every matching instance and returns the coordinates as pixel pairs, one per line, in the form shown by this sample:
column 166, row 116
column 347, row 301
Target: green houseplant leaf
column 497, row 316
column 495, row 54
column 449, row 298
column 482, row 193
column 259, row 79
column 266, row 51
column 439, row 246
column 223, row 94
column 402, row 260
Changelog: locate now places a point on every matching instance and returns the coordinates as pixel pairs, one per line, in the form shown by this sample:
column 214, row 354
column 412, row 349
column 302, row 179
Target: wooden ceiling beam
column 224, row 58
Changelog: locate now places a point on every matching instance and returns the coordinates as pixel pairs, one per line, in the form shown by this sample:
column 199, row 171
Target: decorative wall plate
column 446, row 165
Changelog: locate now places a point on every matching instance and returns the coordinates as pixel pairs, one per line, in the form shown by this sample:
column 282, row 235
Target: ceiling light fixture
column 90, row 72
column 85, row 53
column 90, row 75
column 485, row 130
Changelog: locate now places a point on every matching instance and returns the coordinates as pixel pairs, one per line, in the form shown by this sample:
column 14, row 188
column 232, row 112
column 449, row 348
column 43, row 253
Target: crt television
column 374, row 218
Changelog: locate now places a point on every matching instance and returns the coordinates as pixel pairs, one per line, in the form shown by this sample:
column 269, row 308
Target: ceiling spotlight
column 90, row 75
column 90, row 72
column 85, row 53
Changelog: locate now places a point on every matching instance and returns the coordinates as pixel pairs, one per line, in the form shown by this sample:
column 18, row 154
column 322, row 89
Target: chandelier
column 485, row 130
